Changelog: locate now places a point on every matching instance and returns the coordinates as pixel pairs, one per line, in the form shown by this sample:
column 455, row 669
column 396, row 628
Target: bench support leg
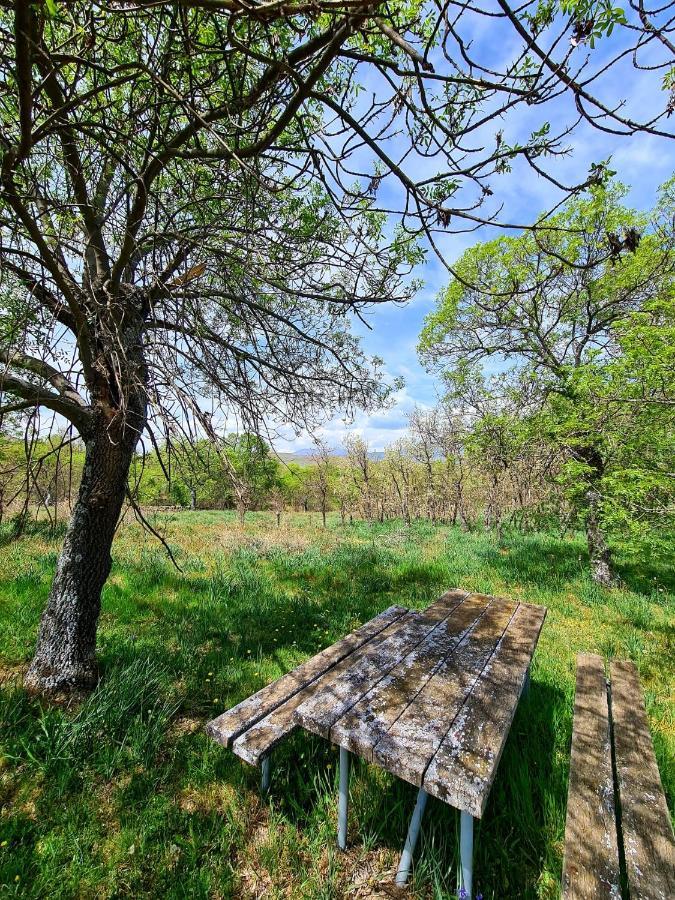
column 343, row 803
column 266, row 775
column 411, row 839
column 465, row 855
column 526, row 684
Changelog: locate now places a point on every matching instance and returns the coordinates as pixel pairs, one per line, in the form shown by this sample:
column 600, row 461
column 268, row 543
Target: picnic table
column 428, row 695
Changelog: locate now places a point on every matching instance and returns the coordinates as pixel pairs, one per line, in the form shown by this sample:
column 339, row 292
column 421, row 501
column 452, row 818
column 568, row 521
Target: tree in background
column 321, row 476
column 564, row 311
column 361, row 473
column 252, row 472
column 189, row 211
column 398, row 462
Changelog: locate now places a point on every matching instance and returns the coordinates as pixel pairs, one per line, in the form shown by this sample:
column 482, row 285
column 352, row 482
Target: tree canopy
column 576, row 321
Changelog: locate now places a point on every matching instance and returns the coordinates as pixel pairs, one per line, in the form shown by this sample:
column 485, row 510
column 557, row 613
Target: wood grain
column 441, row 608
column 369, row 720
column 649, row 847
column 339, row 693
column 411, row 742
column 463, row 769
column 591, row 862
column 257, row 740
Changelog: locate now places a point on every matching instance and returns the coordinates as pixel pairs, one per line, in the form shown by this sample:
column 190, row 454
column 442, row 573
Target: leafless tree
column 320, row 477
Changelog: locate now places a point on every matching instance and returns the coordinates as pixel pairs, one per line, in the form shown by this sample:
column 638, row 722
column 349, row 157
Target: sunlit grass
column 125, row 795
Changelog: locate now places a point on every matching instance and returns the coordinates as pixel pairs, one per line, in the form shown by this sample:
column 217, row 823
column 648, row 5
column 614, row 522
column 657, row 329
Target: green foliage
column 580, row 323
column 251, row 462
column 594, row 18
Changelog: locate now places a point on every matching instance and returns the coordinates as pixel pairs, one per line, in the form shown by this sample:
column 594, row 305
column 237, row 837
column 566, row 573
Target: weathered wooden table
column 427, row 695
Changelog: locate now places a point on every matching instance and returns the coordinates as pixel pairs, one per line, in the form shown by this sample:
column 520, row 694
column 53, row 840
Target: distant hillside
column 304, row 455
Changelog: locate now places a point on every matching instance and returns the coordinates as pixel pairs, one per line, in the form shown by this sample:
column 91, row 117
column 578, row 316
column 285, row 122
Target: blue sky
column 642, row 161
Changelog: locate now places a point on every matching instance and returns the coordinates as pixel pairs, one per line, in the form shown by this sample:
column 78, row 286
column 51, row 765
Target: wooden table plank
column 462, row 771
column 440, row 608
column 649, row 847
column 338, row 694
column 411, row 742
column 258, row 740
column 372, row 717
column 591, row 865
column 265, row 734
column 228, row 726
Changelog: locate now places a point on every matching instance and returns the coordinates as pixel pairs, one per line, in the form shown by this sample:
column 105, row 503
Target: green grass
column 125, row 796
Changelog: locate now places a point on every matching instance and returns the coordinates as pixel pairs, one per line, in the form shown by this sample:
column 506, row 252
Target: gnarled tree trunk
column 598, row 551
column 65, row 655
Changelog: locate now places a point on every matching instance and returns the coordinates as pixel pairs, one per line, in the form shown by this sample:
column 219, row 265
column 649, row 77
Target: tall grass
column 125, row 796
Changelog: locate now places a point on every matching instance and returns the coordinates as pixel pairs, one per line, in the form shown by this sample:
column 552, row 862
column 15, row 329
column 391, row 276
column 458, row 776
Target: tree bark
column 65, row 655
column 598, row 551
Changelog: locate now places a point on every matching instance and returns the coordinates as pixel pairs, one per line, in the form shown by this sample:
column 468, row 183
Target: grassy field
column 124, row 796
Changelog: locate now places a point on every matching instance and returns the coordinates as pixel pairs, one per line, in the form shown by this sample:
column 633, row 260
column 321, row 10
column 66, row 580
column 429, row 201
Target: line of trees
column 196, row 198
column 439, row 472
column 498, row 469
column 576, row 428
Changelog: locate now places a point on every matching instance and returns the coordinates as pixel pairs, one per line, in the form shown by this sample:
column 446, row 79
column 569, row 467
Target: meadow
column 123, row 795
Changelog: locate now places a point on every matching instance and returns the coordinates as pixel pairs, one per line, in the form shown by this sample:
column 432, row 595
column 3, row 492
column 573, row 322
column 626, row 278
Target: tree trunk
column 598, row 551
column 65, row 655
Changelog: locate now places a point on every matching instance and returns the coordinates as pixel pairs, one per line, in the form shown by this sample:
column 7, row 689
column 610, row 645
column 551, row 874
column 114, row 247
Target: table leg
column 465, row 855
column 526, row 684
column 266, row 775
column 411, row 839
column 343, row 803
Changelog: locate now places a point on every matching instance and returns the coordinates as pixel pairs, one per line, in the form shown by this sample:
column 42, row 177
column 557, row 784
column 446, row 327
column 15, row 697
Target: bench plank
column 228, row 726
column 649, row 847
column 409, row 745
column 463, row 769
column 591, row 864
column 440, row 608
column 338, row 694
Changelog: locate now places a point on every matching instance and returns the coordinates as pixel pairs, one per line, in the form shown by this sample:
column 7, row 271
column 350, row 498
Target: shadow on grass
column 214, row 641
column 537, row 559
column 523, row 808
column 13, row 530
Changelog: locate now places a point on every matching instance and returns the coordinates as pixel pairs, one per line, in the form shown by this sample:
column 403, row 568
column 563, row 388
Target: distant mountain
column 303, row 454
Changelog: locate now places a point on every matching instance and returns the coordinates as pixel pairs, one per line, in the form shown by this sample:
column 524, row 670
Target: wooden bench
column 617, row 817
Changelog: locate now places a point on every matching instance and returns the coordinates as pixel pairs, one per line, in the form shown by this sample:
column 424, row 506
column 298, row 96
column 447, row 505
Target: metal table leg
column 411, row 839
column 465, row 855
column 343, row 804
column 266, row 775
